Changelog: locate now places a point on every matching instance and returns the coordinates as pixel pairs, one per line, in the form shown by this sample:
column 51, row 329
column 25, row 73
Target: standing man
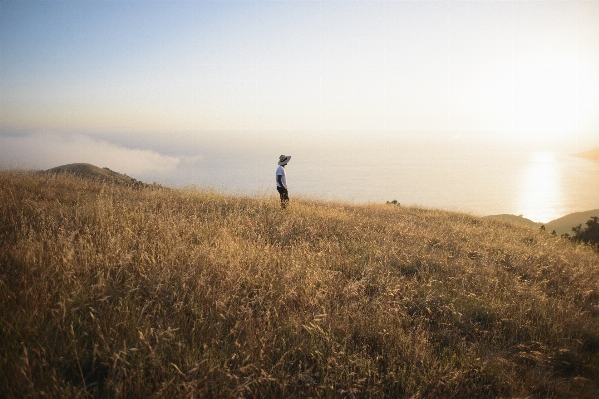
column 282, row 181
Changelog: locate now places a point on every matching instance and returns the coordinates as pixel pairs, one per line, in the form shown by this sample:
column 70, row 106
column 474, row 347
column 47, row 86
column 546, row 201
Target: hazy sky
column 159, row 83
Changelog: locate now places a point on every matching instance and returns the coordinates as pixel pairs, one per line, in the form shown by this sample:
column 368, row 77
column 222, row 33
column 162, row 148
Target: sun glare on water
column 541, row 194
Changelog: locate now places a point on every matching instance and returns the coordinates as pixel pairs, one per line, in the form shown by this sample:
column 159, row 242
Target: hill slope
column 90, row 171
column 515, row 219
column 107, row 291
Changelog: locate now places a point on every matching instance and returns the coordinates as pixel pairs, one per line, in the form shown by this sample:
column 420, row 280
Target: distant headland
column 93, row 172
column 561, row 225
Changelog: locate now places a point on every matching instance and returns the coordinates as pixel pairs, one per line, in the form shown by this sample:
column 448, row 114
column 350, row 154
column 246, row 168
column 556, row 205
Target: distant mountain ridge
column 593, row 154
column 561, row 225
column 90, row 171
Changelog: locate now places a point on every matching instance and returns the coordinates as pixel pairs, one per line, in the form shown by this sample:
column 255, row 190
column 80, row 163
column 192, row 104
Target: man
column 282, row 181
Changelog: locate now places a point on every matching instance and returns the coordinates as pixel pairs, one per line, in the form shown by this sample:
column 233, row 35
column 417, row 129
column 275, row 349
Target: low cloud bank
column 44, row 150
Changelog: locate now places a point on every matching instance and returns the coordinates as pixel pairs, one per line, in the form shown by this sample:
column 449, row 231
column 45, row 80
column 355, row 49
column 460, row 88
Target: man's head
column 283, row 159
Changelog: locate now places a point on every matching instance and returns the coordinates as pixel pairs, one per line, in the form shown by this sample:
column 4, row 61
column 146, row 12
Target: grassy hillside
column 516, row 219
column 110, row 291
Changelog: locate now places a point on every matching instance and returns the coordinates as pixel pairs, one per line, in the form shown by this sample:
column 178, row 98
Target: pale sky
column 161, row 79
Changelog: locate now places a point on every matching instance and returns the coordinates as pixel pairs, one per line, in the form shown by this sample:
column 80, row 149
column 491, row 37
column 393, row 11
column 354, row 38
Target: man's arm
column 280, row 181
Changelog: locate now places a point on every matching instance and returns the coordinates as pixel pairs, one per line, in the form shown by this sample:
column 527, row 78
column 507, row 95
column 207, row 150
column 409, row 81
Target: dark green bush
column 590, row 234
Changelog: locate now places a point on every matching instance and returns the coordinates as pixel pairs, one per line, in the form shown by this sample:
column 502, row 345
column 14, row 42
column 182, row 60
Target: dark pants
column 284, row 196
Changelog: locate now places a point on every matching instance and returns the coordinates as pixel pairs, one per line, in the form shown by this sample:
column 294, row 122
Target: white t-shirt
column 281, row 172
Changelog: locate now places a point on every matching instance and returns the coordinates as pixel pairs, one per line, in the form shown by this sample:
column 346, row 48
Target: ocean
column 481, row 180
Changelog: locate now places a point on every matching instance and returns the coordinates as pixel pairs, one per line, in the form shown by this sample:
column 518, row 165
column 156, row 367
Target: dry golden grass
column 115, row 291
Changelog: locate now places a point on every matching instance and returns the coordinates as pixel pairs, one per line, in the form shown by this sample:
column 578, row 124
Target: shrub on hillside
column 590, row 234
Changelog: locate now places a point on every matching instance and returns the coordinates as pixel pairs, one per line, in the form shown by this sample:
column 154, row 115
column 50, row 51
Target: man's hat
column 284, row 159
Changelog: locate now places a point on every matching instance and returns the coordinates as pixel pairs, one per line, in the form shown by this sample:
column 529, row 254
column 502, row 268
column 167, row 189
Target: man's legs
column 284, row 196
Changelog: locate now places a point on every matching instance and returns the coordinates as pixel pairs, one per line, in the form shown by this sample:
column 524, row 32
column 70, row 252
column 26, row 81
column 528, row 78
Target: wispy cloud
column 44, row 150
